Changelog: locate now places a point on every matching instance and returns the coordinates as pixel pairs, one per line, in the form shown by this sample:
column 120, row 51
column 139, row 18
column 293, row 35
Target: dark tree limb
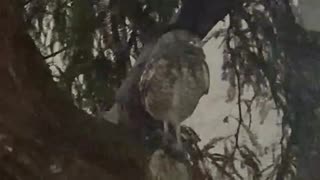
column 197, row 16
column 200, row 16
column 34, row 110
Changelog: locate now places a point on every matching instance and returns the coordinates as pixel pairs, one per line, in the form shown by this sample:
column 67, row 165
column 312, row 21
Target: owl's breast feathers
column 173, row 82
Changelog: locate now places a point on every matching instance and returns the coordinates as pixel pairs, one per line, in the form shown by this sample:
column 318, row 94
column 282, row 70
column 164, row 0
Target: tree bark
column 43, row 134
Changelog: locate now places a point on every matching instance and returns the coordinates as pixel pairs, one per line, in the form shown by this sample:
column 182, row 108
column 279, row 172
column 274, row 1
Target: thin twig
column 234, row 64
column 266, row 168
column 55, row 53
column 249, row 108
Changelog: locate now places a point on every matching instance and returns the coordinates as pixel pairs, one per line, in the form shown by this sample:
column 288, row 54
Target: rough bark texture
column 42, row 134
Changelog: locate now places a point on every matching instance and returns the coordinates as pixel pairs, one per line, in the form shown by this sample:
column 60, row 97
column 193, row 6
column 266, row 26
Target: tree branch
column 237, row 74
column 48, row 117
column 55, row 53
column 200, row 16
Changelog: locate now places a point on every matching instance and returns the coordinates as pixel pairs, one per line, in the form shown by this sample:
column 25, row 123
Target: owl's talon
column 177, row 152
column 167, row 139
column 179, row 147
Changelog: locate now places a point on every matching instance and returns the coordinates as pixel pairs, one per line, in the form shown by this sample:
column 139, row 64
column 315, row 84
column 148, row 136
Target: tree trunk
column 42, row 134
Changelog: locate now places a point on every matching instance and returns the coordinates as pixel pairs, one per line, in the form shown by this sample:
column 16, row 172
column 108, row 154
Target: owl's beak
column 201, row 44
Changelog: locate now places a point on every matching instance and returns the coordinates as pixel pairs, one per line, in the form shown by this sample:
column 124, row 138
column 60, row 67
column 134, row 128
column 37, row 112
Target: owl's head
column 181, row 36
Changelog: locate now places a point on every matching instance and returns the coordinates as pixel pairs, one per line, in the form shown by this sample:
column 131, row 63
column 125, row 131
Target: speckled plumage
column 174, row 79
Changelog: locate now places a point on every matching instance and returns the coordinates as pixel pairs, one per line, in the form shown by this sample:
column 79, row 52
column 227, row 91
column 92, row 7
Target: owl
column 173, row 80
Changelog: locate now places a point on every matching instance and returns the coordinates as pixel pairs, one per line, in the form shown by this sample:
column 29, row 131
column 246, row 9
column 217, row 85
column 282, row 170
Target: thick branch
column 32, row 107
column 200, row 16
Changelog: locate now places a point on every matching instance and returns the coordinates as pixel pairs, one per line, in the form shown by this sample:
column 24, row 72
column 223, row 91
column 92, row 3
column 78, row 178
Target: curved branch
column 200, row 16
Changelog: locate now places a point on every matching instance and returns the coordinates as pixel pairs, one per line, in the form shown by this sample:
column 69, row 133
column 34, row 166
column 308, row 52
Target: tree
column 45, row 136
column 40, row 135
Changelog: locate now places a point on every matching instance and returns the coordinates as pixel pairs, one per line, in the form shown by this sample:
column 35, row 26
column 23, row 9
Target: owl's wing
column 128, row 89
column 146, row 78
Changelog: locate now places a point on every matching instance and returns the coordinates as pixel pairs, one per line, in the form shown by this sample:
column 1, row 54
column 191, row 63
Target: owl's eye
column 192, row 42
column 195, row 43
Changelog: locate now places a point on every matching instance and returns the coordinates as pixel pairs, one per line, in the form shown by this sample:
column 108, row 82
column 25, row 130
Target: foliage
column 257, row 55
column 252, row 59
column 90, row 45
